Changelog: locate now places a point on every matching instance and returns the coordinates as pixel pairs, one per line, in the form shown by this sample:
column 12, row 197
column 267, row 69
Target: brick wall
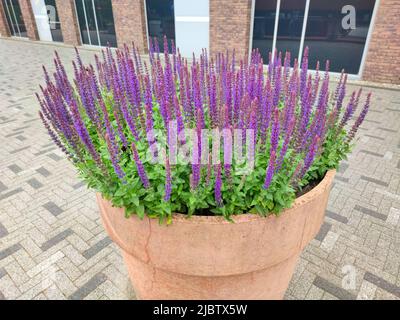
column 130, row 23
column 383, row 57
column 4, row 32
column 29, row 19
column 230, row 26
column 69, row 22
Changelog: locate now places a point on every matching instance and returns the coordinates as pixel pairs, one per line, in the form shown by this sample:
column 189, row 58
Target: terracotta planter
column 210, row 258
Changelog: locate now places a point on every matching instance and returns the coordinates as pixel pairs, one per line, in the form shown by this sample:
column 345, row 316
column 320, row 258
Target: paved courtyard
column 52, row 243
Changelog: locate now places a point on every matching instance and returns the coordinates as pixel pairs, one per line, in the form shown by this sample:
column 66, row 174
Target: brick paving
column 53, row 246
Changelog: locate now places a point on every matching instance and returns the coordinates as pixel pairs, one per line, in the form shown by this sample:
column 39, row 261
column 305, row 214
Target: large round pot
column 211, row 258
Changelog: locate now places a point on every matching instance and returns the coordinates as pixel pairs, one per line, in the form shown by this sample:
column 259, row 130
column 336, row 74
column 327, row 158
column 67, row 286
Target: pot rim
column 248, row 217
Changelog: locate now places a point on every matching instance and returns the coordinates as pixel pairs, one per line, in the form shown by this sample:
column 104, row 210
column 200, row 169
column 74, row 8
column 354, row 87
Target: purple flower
column 360, row 119
column 273, row 150
column 275, row 131
column 168, row 180
column 310, row 156
column 140, row 168
column 218, row 185
column 270, row 170
column 349, row 111
column 114, row 158
column 123, row 102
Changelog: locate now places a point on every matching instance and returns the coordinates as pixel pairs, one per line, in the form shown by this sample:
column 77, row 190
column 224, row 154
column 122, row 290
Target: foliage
column 113, row 123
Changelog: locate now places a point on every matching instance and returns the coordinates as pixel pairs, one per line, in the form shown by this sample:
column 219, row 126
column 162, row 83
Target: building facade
column 360, row 36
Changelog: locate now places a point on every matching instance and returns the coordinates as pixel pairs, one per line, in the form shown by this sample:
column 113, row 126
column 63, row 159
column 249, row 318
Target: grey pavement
column 52, row 242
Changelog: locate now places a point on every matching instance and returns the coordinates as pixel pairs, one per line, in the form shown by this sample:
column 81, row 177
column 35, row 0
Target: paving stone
column 54, row 157
column 10, row 193
column 337, row 217
column 15, row 168
column 20, row 138
column 372, row 153
column 375, row 137
column 2, row 272
column 88, row 287
column 393, row 217
column 47, row 151
column 323, row 231
column 329, row 241
column 3, row 187
column 343, row 167
column 342, row 179
column 376, row 181
column 367, row 291
column 387, row 129
column 332, row 289
column 53, row 208
column 370, row 212
column 97, row 248
column 79, row 185
column 382, row 283
column 34, row 183
column 19, row 150
column 56, row 239
column 44, row 172
column 9, row 251
column 3, row 231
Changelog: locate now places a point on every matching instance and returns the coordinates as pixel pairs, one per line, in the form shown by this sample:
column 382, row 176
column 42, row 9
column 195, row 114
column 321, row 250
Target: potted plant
column 196, row 220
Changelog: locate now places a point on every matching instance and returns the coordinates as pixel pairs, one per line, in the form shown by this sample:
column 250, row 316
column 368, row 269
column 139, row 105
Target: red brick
column 230, row 26
column 29, row 19
column 383, row 58
column 4, row 31
column 130, row 23
column 69, row 22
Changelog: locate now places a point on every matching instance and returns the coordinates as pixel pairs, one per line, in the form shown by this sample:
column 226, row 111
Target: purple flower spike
column 139, row 165
column 360, row 119
column 218, row 185
column 310, row 156
column 275, row 131
column 114, row 158
column 270, row 170
column 123, row 103
column 273, row 150
column 168, row 180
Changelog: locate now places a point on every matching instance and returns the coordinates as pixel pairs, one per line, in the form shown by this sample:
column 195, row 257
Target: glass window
column 54, row 20
column 81, row 12
column 263, row 29
column 105, row 22
column 14, row 18
column 87, row 22
column 96, row 22
column 329, row 35
column 161, row 20
column 290, row 26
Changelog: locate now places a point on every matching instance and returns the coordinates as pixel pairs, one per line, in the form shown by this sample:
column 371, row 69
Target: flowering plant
column 147, row 135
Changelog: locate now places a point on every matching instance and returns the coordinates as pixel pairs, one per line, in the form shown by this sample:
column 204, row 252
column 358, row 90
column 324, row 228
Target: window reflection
column 264, row 23
column 161, row 20
column 54, row 21
column 14, row 18
column 328, row 40
column 290, row 26
column 105, row 23
column 327, row 37
column 96, row 22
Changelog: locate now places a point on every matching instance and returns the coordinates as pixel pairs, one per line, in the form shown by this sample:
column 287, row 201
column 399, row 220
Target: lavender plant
column 146, row 133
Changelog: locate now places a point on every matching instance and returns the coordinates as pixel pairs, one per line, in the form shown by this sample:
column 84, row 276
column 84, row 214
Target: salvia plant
column 146, row 133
